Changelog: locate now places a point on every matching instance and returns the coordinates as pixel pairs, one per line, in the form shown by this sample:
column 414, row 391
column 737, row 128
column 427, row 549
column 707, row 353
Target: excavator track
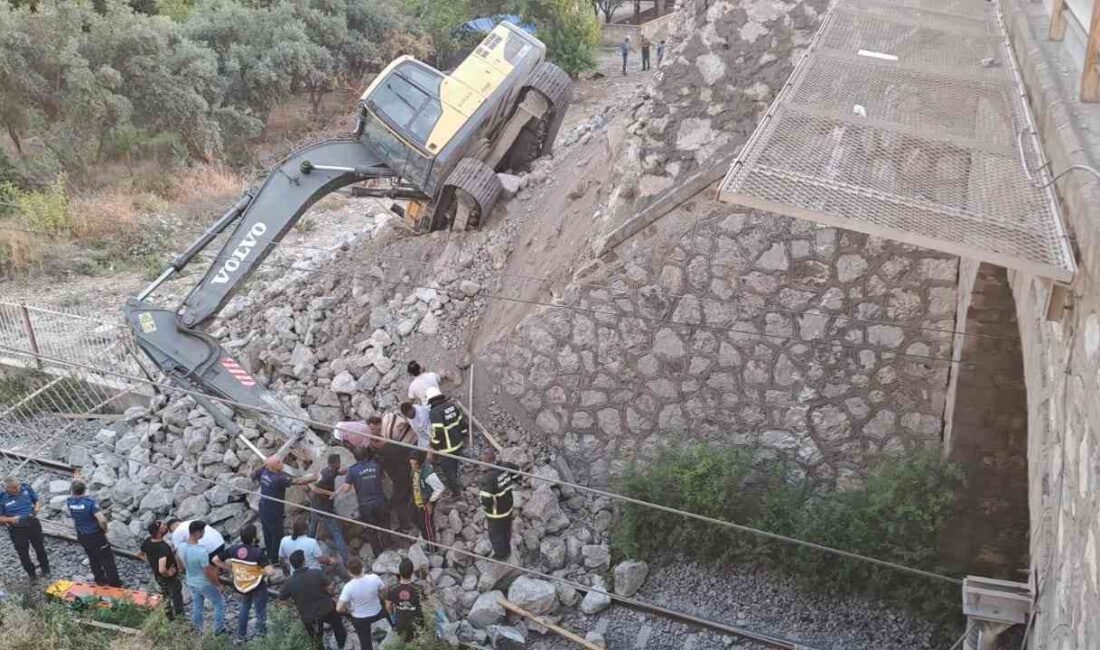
column 554, row 84
column 471, row 191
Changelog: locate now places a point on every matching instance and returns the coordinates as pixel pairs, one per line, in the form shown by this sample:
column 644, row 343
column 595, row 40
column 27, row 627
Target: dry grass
column 202, row 183
column 120, row 220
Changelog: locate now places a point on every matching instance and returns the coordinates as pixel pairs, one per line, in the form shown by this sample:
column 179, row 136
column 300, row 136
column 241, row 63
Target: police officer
column 365, row 477
column 90, row 525
column 449, row 432
column 19, row 508
column 495, row 494
column 273, row 484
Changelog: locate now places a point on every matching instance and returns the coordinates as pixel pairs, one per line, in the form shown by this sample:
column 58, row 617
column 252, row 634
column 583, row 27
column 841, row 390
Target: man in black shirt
column 321, row 498
column 403, row 602
column 311, row 592
column 162, row 561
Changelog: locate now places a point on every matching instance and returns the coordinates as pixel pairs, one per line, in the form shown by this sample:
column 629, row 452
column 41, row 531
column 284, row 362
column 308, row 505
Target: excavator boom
column 192, row 358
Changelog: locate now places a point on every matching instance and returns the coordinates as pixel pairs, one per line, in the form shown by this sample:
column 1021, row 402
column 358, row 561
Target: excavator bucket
column 196, row 362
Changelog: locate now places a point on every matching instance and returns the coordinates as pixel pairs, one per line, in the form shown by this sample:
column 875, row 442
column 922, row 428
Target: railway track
column 64, row 531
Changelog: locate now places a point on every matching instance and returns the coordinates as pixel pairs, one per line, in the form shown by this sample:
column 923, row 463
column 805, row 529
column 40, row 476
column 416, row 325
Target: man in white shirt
column 421, row 382
column 211, row 539
column 419, row 419
column 361, row 599
column 299, row 540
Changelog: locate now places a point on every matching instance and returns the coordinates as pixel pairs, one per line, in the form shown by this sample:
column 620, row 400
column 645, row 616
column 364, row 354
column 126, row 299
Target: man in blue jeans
column 250, row 567
column 202, row 578
column 321, row 499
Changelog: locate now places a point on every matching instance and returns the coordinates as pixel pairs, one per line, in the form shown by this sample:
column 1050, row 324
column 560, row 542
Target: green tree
column 440, row 19
column 568, row 28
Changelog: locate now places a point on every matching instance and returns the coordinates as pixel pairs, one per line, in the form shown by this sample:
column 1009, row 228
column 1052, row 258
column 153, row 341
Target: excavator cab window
column 409, row 100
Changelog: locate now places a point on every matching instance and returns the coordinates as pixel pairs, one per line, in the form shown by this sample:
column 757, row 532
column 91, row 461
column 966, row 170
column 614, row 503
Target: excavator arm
column 259, row 220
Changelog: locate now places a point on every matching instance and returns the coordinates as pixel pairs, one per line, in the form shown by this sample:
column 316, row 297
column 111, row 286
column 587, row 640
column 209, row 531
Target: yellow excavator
column 431, row 140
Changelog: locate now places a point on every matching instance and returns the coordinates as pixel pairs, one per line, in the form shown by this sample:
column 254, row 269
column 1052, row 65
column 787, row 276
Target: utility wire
column 622, row 291
column 583, row 488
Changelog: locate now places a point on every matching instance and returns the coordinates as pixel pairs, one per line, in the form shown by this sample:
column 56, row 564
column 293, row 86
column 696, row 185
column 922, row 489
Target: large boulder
column 194, row 507
column 552, row 553
column 387, row 562
column 536, row 596
column 486, row 610
column 505, row 637
column 596, row 556
column 596, row 600
column 629, row 576
column 119, row 535
column 157, row 499
column 543, row 505
column 492, row 574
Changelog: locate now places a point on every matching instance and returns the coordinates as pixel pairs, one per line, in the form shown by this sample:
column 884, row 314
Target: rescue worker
column 645, row 52
column 90, row 525
column 496, row 502
column 660, row 52
column 19, row 508
column 249, row 566
column 394, row 460
column 624, row 49
column 449, row 432
column 365, row 477
column 426, row 490
column 273, row 484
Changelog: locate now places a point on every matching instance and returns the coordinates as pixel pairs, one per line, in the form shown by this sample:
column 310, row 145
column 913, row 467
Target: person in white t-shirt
column 299, row 540
column 361, row 599
column 421, row 382
column 211, row 540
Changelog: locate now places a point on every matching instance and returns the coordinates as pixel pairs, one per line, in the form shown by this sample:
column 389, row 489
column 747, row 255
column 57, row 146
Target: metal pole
column 28, row 330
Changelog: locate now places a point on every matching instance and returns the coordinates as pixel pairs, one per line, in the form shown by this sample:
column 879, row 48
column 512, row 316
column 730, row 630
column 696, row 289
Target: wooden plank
column 561, row 631
column 1057, row 20
column 109, row 626
column 1090, row 76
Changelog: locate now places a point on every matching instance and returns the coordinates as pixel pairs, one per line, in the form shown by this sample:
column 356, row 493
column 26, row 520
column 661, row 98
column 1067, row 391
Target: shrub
column 898, row 514
column 46, row 210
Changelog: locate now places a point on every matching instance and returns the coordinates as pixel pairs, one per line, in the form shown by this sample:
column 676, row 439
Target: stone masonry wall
column 741, row 328
column 1062, row 357
column 721, row 325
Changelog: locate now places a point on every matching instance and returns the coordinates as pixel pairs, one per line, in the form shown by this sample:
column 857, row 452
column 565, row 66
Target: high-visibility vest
column 449, row 427
column 496, row 493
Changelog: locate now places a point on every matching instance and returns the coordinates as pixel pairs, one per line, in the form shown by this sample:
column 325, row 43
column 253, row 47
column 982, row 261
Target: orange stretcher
column 89, row 594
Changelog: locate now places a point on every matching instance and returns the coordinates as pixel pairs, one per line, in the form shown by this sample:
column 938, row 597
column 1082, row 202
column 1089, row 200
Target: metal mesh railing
column 904, row 120
column 45, row 407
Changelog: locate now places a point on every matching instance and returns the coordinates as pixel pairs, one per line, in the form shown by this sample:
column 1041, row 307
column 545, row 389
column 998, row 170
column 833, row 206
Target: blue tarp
column 485, row 24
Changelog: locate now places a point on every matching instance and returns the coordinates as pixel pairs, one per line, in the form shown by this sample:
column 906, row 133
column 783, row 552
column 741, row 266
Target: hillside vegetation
column 133, row 99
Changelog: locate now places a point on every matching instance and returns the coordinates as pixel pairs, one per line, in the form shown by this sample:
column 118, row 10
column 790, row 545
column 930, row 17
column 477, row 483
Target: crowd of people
column 415, row 449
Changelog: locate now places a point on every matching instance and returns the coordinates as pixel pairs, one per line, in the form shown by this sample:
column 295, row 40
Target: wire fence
column 46, row 407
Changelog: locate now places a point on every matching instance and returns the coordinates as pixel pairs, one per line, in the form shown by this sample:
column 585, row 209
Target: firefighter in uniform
column 495, row 494
column 449, row 432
